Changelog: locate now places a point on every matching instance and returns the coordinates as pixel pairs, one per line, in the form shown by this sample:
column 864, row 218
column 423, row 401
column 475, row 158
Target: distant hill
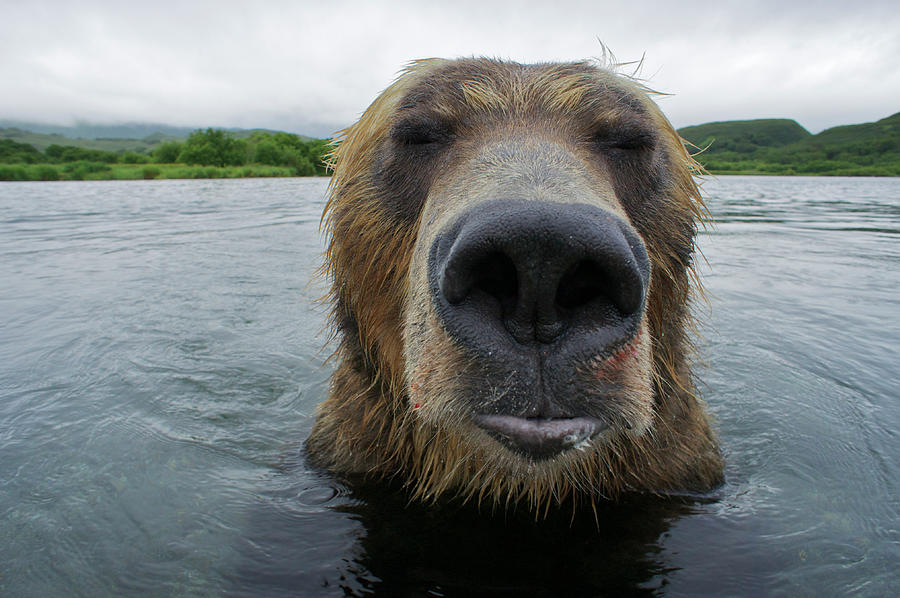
column 886, row 128
column 138, row 137
column 42, row 141
column 745, row 135
column 84, row 130
column 781, row 146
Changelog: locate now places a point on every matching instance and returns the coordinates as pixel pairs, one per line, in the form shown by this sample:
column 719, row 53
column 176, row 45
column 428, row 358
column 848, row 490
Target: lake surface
column 162, row 354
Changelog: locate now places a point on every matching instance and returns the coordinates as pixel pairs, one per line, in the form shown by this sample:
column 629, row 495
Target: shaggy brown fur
column 440, row 139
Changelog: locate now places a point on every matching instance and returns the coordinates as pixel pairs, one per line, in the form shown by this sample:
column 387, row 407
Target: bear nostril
column 496, row 276
column 587, row 281
column 493, row 274
column 582, row 284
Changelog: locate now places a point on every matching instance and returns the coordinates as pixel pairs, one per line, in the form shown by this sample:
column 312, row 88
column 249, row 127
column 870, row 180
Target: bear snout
column 511, row 274
column 531, row 290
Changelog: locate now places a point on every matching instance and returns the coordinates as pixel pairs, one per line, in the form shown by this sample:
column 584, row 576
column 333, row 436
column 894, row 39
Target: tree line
column 209, row 147
column 875, row 157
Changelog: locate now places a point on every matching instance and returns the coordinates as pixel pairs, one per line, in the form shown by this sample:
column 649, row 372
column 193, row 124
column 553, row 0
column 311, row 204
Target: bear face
column 510, row 253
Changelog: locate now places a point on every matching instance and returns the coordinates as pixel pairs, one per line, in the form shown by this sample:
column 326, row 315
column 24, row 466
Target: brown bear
column 510, row 253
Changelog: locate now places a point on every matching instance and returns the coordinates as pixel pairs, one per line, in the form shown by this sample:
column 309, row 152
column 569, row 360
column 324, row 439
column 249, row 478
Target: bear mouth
column 541, row 438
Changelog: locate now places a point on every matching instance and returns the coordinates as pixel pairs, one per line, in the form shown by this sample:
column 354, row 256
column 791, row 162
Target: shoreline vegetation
column 751, row 147
column 205, row 154
column 93, row 171
column 784, row 147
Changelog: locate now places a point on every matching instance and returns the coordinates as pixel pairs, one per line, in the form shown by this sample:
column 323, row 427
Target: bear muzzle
column 531, row 289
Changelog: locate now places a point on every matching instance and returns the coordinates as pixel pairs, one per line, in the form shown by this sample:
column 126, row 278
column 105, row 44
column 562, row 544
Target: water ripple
column 162, row 355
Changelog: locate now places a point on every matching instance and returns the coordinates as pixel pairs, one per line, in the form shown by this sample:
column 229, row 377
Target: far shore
column 90, row 171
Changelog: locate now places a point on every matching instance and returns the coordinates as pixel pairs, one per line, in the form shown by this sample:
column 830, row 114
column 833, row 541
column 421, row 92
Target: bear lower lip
column 540, row 438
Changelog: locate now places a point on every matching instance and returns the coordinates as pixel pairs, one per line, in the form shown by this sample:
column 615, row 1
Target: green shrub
column 86, row 166
column 134, row 158
column 70, row 153
column 303, row 166
column 150, row 172
column 78, row 171
column 167, row 153
column 208, row 172
column 213, row 147
column 13, row 152
column 13, row 173
column 269, row 152
column 45, row 172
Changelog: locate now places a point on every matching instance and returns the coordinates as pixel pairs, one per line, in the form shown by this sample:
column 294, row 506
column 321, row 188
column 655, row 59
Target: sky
column 313, row 67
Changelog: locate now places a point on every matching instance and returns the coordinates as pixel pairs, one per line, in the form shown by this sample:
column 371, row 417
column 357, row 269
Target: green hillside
column 745, row 136
column 780, row 146
column 868, row 132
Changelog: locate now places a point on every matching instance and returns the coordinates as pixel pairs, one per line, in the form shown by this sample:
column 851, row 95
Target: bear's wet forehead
column 466, row 91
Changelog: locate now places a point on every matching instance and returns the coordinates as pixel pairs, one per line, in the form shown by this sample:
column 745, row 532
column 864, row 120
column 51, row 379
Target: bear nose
column 540, row 268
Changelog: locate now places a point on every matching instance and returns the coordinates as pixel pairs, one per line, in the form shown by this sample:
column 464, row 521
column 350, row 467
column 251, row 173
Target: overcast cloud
column 312, row 67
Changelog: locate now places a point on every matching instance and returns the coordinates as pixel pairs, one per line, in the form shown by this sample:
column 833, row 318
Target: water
column 161, row 356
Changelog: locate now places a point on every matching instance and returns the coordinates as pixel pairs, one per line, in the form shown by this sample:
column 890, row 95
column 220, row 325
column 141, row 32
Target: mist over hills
column 86, row 130
column 131, row 130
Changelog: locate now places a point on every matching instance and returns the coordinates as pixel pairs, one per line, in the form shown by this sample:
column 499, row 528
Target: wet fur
column 393, row 409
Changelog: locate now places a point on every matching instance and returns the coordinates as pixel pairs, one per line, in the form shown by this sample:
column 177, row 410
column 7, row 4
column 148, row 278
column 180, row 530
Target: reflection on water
column 411, row 549
column 161, row 356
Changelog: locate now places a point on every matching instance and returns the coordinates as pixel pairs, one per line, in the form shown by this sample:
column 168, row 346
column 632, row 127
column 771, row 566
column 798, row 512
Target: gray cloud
column 313, row 67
